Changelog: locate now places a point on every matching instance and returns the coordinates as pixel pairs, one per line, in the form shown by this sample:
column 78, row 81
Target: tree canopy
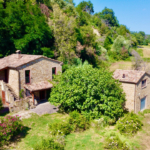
column 88, row 90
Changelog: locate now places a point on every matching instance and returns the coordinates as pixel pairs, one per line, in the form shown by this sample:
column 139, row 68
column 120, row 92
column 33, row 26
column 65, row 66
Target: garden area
column 99, row 134
column 91, row 116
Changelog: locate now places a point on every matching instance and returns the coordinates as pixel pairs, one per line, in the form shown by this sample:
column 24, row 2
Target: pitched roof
column 131, row 76
column 13, row 61
column 38, row 86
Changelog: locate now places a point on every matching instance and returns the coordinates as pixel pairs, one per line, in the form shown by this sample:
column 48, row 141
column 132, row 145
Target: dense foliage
column 76, row 122
column 47, row 144
column 129, row 124
column 91, row 91
column 61, row 30
column 10, row 126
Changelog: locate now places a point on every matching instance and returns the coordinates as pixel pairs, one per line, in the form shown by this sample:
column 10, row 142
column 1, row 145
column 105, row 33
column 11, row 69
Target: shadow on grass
column 4, row 111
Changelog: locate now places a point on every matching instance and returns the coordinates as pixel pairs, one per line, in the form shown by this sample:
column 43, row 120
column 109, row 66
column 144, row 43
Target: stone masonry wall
column 129, row 90
column 13, row 80
column 40, row 70
column 142, row 92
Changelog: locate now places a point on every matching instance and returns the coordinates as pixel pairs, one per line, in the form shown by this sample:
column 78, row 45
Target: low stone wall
column 23, row 104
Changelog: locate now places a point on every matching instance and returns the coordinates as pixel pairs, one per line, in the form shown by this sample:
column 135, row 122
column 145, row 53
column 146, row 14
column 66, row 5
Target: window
column 27, row 76
column 143, row 83
column 143, row 103
column 53, row 72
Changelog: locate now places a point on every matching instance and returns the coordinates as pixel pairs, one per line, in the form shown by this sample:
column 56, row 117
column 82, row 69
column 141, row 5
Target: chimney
column 18, row 52
column 123, row 76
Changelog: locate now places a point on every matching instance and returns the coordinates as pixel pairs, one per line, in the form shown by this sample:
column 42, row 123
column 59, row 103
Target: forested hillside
column 61, row 30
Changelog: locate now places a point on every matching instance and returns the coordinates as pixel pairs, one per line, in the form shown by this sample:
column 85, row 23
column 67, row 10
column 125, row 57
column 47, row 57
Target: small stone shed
column 28, row 73
column 136, row 85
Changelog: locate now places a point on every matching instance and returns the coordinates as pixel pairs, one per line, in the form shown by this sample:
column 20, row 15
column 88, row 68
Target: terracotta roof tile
column 14, row 62
column 132, row 76
column 38, row 86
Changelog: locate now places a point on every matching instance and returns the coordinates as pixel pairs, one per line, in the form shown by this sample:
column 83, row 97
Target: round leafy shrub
column 78, row 122
column 88, row 90
column 10, row 126
column 129, row 124
column 47, row 144
column 62, row 128
column 115, row 141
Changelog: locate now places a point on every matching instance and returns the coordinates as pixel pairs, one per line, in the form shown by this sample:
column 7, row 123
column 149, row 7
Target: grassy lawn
column 91, row 139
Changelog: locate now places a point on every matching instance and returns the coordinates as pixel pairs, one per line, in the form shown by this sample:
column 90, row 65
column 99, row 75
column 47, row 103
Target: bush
column 10, row 126
column 103, row 121
column 115, row 141
column 62, row 128
column 1, row 104
column 129, row 124
column 90, row 91
column 78, row 122
column 47, row 144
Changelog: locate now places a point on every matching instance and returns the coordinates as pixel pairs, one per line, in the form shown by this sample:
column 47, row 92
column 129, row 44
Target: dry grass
column 146, row 51
column 127, row 65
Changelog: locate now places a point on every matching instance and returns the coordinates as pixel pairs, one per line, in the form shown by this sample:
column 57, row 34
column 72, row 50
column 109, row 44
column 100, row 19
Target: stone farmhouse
column 136, row 85
column 28, row 73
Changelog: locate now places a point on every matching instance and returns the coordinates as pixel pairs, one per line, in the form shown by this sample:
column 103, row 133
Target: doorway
column 42, row 95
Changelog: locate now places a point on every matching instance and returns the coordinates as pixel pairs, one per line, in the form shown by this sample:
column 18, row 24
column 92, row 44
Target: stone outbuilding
column 28, row 75
column 136, row 85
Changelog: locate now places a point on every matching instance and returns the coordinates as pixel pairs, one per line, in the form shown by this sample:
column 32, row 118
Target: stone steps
column 12, row 92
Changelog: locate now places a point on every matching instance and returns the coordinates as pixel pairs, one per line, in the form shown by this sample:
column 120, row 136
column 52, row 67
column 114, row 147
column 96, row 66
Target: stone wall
column 40, row 70
column 129, row 90
column 13, row 80
column 142, row 92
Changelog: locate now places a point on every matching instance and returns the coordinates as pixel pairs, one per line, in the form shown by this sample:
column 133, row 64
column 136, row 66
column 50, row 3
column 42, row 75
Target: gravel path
column 45, row 108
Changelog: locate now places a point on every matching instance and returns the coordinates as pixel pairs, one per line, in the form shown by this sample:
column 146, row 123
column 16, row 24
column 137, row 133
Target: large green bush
column 49, row 144
column 129, row 124
column 91, row 91
column 10, row 126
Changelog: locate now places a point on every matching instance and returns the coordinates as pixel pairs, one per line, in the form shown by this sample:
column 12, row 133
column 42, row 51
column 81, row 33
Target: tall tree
column 86, row 6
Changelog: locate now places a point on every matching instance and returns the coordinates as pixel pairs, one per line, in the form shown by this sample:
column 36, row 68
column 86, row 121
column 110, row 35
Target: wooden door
column 3, row 97
column 42, row 95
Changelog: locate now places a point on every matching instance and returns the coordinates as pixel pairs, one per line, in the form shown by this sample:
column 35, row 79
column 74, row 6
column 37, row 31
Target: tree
column 24, row 30
column 109, row 15
column 91, row 91
column 86, row 6
column 121, row 47
column 64, row 33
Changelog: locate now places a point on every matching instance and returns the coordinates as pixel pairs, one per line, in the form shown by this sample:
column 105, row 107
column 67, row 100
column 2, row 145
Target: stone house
column 28, row 73
column 136, row 85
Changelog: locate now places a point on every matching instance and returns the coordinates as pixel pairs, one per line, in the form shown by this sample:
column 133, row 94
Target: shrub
column 1, row 104
column 10, row 126
column 115, row 141
column 129, row 124
column 78, row 122
column 62, row 128
column 103, row 121
column 88, row 90
column 47, row 144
